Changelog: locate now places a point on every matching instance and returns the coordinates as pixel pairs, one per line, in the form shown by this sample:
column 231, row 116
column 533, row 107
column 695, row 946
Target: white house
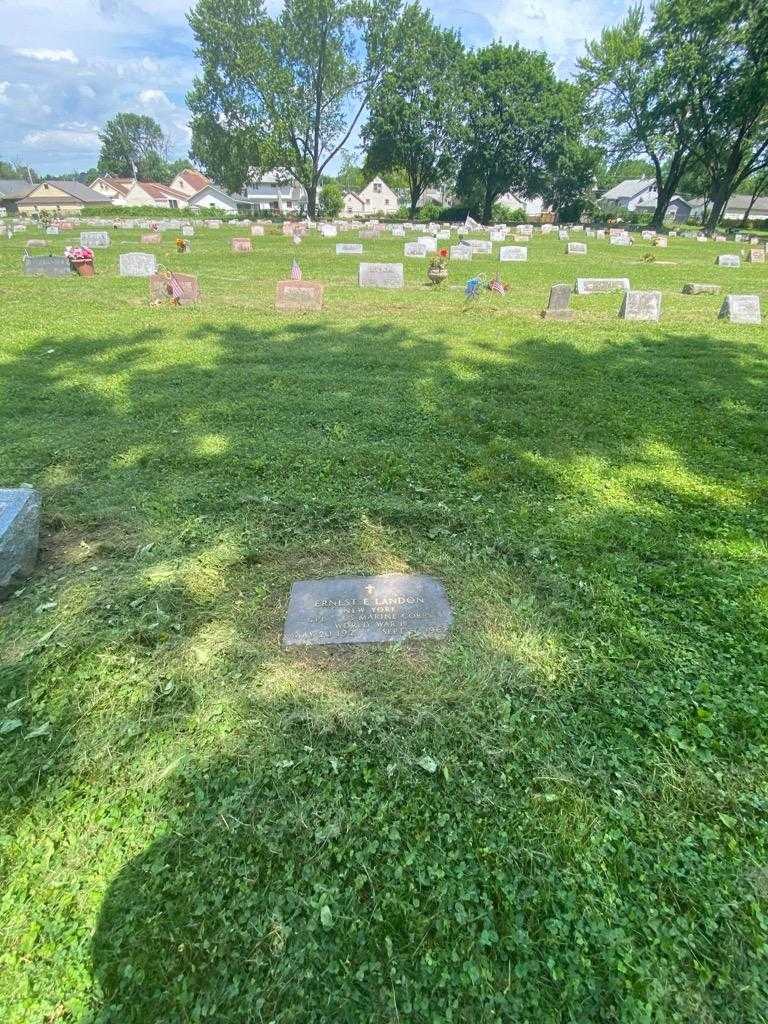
column 112, row 187
column 639, row 195
column 189, row 182
column 151, row 193
column 377, row 197
column 211, row 197
column 277, row 191
column 530, row 207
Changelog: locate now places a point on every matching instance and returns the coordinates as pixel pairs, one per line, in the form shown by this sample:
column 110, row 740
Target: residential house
column 738, row 205
column 277, row 192
column 60, row 197
column 189, row 182
column 376, row 198
column 639, row 195
column 111, row 186
column 533, row 208
column 11, row 191
column 438, row 196
column 152, row 193
column 211, row 197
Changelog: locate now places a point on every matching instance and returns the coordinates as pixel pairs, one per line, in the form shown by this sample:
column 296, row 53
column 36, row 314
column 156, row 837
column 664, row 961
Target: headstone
column 497, row 235
column 559, row 307
column 620, row 240
column 461, row 252
column 47, row 266
column 480, row 247
column 720, row 238
column 562, row 235
column 442, row 235
column 94, row 239
column 648, row 236
column 368, row 235
column 738, row 237
column 701, row 289
column 213, row 223
column 52, row 230
column 414, row 249
column 398, row 231
column 525, row 229
column 661, row 241
column 19, row 535
column 546, row 229
column 161, row 289
column 381, row 275
column 242, row 245
column 348, row 249
column 137, row 264
column 36, row 243
column 366, row 610
column 152, row 239
column 513, row 253
column 329, row 230
column 741, row 309
column 593, row 285
column 728, row 260
column 600, row 234
column 641, row 306
column 576, row 249
column 257, row 230
column 429, row 243
column 757, row 255
column 298, row 296
column 187, row 231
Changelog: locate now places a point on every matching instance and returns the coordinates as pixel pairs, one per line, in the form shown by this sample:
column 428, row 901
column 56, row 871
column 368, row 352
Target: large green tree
column 132, row 146
column 415, row 117
column 519, row 121
column 641, row 94
column 720, row 50
column 287, row 91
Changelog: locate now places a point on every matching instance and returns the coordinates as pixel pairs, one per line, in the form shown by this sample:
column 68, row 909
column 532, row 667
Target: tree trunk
column 719, row 196
column 488, row 208
column 312, row 201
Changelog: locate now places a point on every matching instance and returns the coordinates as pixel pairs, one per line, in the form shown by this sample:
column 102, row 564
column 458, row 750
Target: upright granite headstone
column 329, row 230
column 366, row 610
column 559, row 307
column 757, row 255
column 180, row 289
column 381, row 275
column 414, row 249
column 701, row 289
column 19, row 535
column 137, row 264
column 728, row 260
column 299, row 296
column 461, row 252
column 398, row 231
column 153, row 238
column 94, row 239
column 480, row 247
column 428, row 241
column 576, row 249
column 257, row 230
column 187, row 231
column 741, row 309
column 513, row 254
column 641, row 306
column 660, row 241
column 348, row 249
column 593, row 285
column 562, row 235
column 620, row 240
column 242, row 245
column 47, row 266
column 52, row 230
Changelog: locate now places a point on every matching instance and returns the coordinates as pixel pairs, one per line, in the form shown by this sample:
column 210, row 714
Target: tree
column 639, row 92
column 614, row 173
column 720, row 50
column 350, row 177
column 331, row 200
column 131, row 144
column 756, row 186
column 518, row 122
column 415, row 117
column 284, row 92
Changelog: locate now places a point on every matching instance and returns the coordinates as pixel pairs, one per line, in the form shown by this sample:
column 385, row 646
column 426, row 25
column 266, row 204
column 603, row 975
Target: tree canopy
column 132, row 146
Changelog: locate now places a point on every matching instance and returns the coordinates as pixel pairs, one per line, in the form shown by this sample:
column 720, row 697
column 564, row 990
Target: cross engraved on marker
column 369, row 590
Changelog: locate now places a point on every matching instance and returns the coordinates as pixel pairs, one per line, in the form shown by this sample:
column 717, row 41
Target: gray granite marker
column 414, row 249
column 380, row 275
column 94, row 239
column 741, row 309
column 47, row 266
column 641, row 306
column 19, row 535
column 137, row 264
column 348, row 249
column 366, row 610
column 701, row 289
column 593, row 285
column 727, row 260
column 513, row 254
column 559, row 307
column 576, row 249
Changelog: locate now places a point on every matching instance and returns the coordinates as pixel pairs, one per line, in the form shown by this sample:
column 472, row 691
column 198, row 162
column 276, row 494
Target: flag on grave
column 295, row 271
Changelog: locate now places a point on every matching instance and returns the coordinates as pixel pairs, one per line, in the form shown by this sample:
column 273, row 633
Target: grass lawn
column 198, row 827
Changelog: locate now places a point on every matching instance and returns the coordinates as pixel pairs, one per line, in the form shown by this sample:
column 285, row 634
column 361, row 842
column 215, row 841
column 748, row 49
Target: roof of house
column 651, row 205
column 194, row 178
column 158, row 191
column 121, row 185
column 629, row 188
column 742, row 203
column 11, row 188
column 236, row 197
column 75, row 189
column 353, row 195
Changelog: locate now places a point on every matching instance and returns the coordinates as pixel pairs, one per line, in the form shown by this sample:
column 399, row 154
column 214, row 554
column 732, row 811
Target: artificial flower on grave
column 181, row 245
column 79, row 254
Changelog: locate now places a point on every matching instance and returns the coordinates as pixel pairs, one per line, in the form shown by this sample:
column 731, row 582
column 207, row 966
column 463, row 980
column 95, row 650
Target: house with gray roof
column 11, row 190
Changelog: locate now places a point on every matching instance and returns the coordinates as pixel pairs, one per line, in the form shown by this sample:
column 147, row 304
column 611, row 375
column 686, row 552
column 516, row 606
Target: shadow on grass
column 594, row 511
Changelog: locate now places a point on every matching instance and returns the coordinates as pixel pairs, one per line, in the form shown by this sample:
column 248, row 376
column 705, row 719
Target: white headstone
column 481, row 247
column 513, row 253
column 94, row 239
column 137, row 264
column 381, row 275
column 348, row 249
column 414, row 249
column 329, row 230
column 641, row 306
column 461, row 252
column 741, row 309
column 728, row 260
column 428, row 241
column 576, row 249
column 592, row 285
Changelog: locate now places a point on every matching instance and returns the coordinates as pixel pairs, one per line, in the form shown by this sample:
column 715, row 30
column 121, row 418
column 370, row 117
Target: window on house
column 386, row 202
column 377, row 186
column 173, row 204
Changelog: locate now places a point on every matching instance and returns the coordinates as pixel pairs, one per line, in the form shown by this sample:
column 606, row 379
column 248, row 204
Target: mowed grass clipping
column 558, row 815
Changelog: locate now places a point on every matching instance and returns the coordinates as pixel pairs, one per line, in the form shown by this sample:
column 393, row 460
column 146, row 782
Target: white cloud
column 154, row 98
column 62, row 139
column 56, row 56
column 4, row 98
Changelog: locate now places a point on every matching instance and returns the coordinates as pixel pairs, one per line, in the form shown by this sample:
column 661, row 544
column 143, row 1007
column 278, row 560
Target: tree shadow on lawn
column 574, row 513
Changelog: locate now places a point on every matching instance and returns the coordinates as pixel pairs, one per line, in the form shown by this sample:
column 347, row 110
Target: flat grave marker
column 349, row 249
column 299, row 296
column 381, row 275
column 701, row 289
column 154, row 238
column 47, row 266
column 366, row 610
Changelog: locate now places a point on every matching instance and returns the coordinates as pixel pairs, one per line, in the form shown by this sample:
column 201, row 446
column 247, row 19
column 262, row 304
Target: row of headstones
column 646, row 306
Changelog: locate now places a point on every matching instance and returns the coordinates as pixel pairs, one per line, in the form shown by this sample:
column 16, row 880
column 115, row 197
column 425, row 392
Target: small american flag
column 177, row 292
column 496, row 285
column 295, row 271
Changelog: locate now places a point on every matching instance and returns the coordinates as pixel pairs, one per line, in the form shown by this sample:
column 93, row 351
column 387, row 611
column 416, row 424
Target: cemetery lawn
column 558, row 815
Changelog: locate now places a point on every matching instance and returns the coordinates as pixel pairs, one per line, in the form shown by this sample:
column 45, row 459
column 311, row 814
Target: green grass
column 593, row 844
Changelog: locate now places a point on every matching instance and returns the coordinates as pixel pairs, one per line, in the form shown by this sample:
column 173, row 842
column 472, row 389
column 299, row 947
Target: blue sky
column 68, row 65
